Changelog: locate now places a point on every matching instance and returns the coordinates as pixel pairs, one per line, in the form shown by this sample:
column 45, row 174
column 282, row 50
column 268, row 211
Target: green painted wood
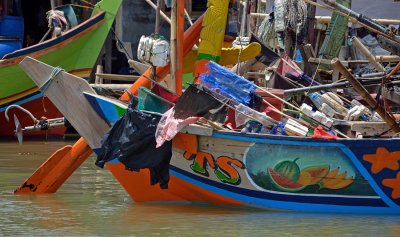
column 335, row 34
column 82, row 53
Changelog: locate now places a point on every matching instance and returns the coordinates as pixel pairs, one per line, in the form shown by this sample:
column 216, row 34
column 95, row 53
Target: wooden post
column 158, row 15
column 371, row 58
column 162, row 14
column 180, row 35
column 311, row 10
column 244, row 18
column 364, row 93
column 310, row 69
column 98, row 79
column 173, row 40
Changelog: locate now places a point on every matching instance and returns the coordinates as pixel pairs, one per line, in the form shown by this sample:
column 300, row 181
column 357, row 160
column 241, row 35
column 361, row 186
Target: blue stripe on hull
column 298, row 205
column 354, row 150
column 55, row 41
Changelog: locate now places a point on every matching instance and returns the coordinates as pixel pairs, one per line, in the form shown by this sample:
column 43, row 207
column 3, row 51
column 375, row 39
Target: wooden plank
column 370, row 129
column 335, row 34
column 327, row 19
column 311, row 69
column 117, row 77
column 381, row 59
column 139, row 67
column 197, row 130
column 112, row 86
column 368, row 98
column 66, row 93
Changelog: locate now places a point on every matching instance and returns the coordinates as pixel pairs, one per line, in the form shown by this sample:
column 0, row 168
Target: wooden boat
column 76, row 51
column 266, row 171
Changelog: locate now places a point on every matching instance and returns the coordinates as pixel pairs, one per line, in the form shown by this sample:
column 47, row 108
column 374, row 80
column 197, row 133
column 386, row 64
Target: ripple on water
column 92, row 203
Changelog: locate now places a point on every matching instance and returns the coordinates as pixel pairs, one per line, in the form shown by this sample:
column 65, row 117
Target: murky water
column 91, row 203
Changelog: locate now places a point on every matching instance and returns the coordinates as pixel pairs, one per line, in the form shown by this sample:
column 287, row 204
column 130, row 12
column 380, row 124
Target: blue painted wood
column 369, row 195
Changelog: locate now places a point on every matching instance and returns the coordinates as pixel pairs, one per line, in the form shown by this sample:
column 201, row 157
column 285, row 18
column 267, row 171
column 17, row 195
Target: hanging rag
column 194, row 104
column 58, row 21
column 132, row 141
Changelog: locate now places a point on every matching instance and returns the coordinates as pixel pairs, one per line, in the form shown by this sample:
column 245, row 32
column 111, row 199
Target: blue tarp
column 227, row 83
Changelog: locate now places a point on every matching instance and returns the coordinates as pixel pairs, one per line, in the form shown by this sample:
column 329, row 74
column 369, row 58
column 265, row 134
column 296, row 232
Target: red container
column 273, row 101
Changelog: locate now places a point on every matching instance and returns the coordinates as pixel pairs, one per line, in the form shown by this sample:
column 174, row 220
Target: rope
column 120, row 45
column 296, row 14
column 47, row 83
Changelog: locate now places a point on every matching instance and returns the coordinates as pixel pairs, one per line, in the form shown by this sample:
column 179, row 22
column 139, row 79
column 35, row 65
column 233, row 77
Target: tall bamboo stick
column 180, row 32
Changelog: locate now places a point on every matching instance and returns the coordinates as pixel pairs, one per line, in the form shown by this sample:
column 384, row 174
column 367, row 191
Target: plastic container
column 8, row 45
column 273, row 101
column 12, row 26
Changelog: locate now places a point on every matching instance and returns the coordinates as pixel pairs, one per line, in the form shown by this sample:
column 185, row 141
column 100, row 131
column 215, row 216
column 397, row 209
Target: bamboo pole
column 327, row 19
column 338, row 85
column 158, row 14
column 354, row 20
column 173, row 40
column 188, row 17
column 364, row 93
column 371, row 58
column 180, row 32
column 52, row 4
column 154, row 6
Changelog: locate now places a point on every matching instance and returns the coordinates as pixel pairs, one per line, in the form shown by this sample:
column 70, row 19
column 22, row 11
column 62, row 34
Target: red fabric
column 165, row 94
column 319, row 132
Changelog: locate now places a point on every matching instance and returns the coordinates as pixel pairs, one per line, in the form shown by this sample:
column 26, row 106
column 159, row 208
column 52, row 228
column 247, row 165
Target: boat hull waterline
column 271, row 172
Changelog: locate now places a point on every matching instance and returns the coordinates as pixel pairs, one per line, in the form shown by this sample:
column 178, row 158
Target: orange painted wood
column 137, row 184
column 56, row 169
column 186, row 142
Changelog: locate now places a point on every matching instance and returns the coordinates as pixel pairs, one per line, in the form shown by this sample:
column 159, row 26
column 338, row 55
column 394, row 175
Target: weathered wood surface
column 139, row 67
column 368, row 98
column 370, row 129
column 117, row 77
column 66, row 93
column 364, row 50
column 380, row 59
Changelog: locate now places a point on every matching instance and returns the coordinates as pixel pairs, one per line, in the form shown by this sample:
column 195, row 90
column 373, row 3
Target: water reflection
column 92, row 203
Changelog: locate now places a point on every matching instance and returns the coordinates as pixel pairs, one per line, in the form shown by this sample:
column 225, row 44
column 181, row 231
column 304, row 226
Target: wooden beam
column 111, row 86
column 310, row 69
column 117, row 77
column 154, row 6
column 327, row 19
column 360, row 46
column 368, row 98
column 382, row 59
